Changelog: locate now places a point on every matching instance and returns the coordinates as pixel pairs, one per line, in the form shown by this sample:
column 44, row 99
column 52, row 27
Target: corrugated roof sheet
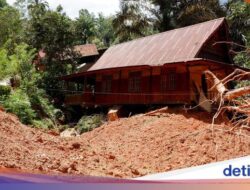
column 83, row 50
column 177, row 45
column 86, row 50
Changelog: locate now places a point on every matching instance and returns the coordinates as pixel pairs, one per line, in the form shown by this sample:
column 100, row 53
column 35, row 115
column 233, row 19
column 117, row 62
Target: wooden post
column 113, row 113
column 85, row 84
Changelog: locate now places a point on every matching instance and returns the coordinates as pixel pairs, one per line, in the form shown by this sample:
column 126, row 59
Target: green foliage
column 4, row 64
column 91, row 29
column 88, row 123
column 132, row 21
column 62, row 128
column 52, row 32
column 40, row 103
column 44, row 123
column 33, row 109
column 28, row 101
column 30, row 80
column 238, row 16
column 5, row 90
column 104, row 34
column 10, row 26
column 3, row 3
column 144, row 17
column 21, row 64
column 163, row 12
column 18, row 64
column 19, row 104
column 193, row 12
column 33, row 26
column 49, row 30
column 85, row 27
column 242, row 59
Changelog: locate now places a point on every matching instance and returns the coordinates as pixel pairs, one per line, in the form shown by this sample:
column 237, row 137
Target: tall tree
column 104, row 33
column 132, row 21
column 3, row 3
column 163, row 12
column 238, row 16
column 23, row 6
column 136, row 17
column 85, row 27
column 196, row 11
column 36, row 31
column 52, row 32
column 10, row 27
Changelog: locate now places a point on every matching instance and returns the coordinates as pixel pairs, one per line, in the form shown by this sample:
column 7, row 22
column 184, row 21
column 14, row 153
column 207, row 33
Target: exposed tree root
column 236, row 102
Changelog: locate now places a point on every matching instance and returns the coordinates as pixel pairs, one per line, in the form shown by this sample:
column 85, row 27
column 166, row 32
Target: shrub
column 18, row 103
column 44, row 123
column 5, row 90
column 88, row 123
column 41, row 104
column 62, row 128
column 28, row 101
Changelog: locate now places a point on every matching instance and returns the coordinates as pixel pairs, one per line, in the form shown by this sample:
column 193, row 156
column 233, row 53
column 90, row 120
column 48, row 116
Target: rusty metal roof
column 83, row 51
column 86, row 50
column 177, row 45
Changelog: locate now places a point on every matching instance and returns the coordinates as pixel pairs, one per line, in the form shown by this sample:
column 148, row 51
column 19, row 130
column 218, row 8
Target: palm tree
column 132, row 21
column 137, row 16
column 163, row 12
column 195, row 11
column 85, row 27
column 178, row 13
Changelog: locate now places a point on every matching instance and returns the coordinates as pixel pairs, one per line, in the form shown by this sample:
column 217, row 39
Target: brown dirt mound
column 130, row 147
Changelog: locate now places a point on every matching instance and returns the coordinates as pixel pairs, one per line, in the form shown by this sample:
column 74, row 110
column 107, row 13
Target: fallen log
column 233, row 94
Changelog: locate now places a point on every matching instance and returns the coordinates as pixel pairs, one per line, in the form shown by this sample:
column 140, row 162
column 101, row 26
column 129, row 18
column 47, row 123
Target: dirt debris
column 127, row 148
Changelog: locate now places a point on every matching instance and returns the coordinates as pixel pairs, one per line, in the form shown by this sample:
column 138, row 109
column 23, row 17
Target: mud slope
column 126, row 148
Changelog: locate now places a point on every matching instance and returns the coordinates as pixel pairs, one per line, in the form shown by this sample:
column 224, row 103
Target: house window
column 107, row 83
column 172, row 81
column 163, row 83
column 169, row 81
column 134, row 82
column 80, row 87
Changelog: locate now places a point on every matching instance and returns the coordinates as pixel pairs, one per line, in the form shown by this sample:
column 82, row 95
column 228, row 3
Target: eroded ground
column 127, row 148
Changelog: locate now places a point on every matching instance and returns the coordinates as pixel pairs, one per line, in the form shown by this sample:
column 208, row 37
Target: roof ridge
column 160, row 33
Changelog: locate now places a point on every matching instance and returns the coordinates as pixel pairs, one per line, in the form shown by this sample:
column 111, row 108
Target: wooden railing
column 79, row 99
column 89, row 98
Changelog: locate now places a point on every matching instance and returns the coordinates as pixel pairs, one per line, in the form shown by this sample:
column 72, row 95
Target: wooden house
column 165, row 68
column 86, row 56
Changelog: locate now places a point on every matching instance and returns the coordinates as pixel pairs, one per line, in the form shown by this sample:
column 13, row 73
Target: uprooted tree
column 236, row 102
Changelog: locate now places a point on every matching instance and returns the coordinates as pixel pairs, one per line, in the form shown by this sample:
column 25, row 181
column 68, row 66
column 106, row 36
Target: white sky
column 72, row 7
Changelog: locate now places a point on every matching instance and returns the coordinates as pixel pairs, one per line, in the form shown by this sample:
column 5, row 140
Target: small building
column 165, row 68
column 86, row 56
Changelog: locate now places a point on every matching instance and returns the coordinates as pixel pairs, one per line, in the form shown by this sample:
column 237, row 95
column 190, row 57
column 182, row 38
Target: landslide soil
column 127, row 148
